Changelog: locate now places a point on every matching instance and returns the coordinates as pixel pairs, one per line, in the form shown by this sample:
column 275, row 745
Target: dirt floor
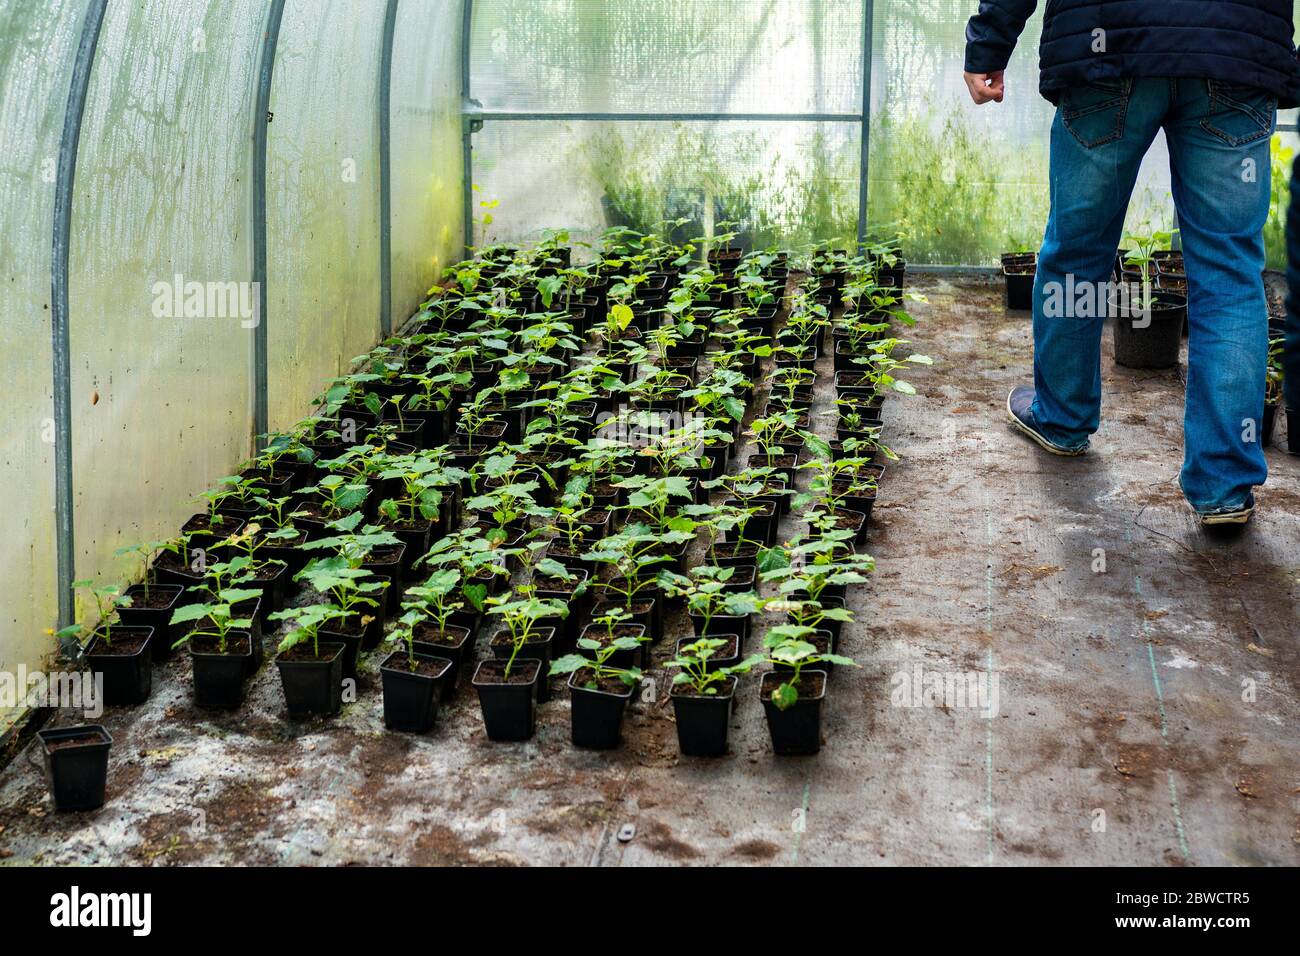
column 1148, row 689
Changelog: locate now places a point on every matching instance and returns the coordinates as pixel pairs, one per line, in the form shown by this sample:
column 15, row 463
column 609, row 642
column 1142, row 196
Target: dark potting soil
column 237, row 644
column 727, row 686
column 303, row 652
column 432, row 634
column 399, row 661
column 124, row 645
column 404, row 524
column 493, row 672
column 220, row 525
column 622, row 630
column 635, row 608
column 610, row 685
column 173, row 562
column 316, row 512
column 267, row 571
column 501, row 638
column 846, row 522
column 383, row 557
column 156, row 598
column 555, row 585
column 350, row 625
column 81, row 740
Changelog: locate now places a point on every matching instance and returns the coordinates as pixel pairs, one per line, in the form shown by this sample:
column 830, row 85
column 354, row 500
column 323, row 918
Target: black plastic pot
column 457, row 652
column 632, row 658
column 722, row 624
column 273, row 592
column 596, row 718
column 313, row 685
column 154, row 617
column 411, row 698
column 537, row 648
column 646, row 611
column 703, row 723
column 1154, row 345
column 351, row 643
column 1293, row 431
column 509, row 710
column 732, row 554
column 797, row 730
column 724, row 658
column 76, row 772
column 1270, row 423
column 128, row 678
column 219, row 678
column 1020, row 288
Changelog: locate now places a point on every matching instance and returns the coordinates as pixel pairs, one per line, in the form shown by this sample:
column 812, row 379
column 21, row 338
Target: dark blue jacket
column 1244, row 42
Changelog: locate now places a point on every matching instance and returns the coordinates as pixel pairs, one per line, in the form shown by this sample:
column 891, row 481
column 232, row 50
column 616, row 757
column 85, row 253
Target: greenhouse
column 594, row 432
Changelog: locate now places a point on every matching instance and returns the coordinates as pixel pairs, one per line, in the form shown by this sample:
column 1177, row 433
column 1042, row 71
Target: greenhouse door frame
column 473, row 116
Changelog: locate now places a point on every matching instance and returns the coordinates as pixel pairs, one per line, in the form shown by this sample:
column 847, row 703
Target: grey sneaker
column 1019, row 404
column 1233, row 514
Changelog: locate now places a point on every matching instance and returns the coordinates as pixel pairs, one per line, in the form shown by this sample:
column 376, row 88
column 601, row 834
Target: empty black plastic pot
column 76, row 765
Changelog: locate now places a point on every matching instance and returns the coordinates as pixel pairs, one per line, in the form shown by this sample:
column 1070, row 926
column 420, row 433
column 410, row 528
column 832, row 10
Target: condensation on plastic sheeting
column 425, row 149
column 789, row 182
column 37, row 44
column 786, row 182
column 160, row 395
column 322, row 204
column 738, row 56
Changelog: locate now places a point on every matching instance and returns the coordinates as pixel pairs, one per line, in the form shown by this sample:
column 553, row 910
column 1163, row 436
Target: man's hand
column 985, row 87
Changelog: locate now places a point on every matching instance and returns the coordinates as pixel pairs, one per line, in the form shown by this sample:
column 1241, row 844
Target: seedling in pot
column 692, row 664
column 337, row 496
column 788, row 645
column 216, row 619
column 520, row 619
column 596, row 668
column 654, row 500
column 705, row 592
column 147, row 553
column 434, row 600
column 108, row 599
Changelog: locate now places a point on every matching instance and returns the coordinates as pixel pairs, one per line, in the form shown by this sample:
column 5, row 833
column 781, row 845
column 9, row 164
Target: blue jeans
column 1218, row 138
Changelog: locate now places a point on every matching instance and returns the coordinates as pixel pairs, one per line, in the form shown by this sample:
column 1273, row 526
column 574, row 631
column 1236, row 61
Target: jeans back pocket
column 1094, row 112
column 1239, row 114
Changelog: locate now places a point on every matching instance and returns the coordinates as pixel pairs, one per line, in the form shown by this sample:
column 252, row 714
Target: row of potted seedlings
column 465, row 453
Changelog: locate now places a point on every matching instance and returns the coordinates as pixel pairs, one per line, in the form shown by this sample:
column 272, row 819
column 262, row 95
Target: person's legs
column 1099, row 137
column 1219, row 159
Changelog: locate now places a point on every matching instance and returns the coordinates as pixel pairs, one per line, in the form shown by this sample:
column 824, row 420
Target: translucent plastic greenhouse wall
column 160, row 339
column 960, row 184
column 37, row 43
